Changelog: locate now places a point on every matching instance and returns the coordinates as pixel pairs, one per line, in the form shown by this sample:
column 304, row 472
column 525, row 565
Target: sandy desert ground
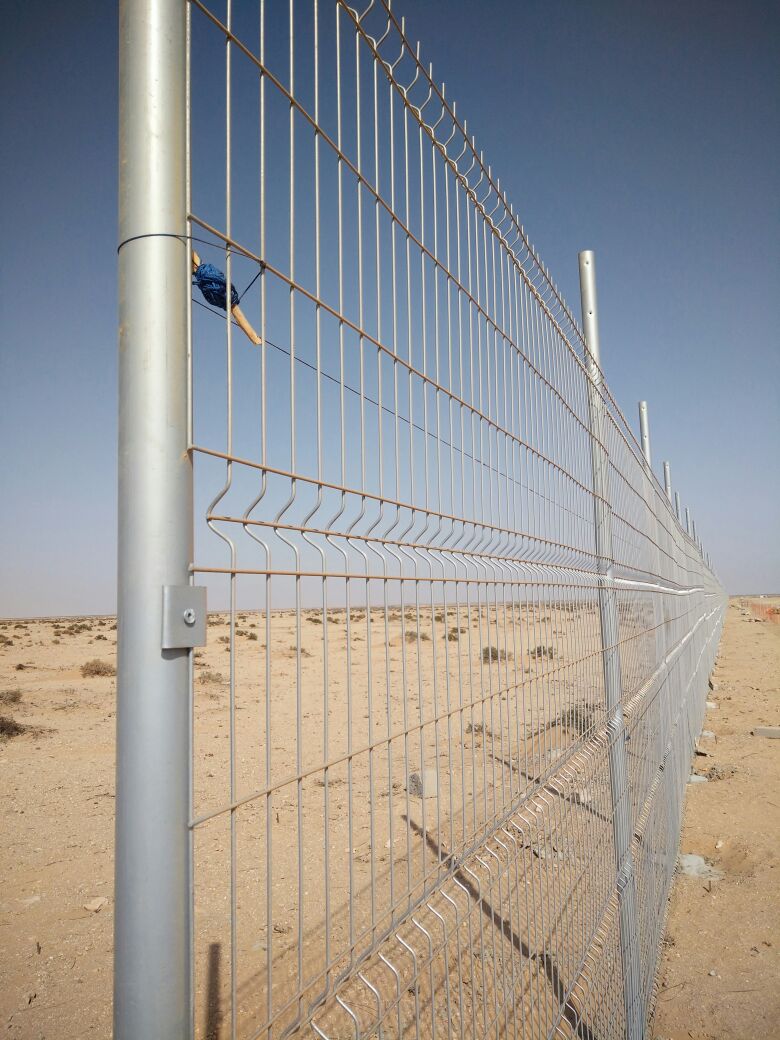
column 57, row 796
column 718, row 978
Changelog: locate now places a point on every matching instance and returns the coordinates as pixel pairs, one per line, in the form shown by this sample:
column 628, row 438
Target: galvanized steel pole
column 610, row 636
column 687, row 520
column 152, row 926
column 677, row 504
column 644, row 432
column 668, row 480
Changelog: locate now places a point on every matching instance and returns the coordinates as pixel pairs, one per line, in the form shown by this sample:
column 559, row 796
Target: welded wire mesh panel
column 403, row 793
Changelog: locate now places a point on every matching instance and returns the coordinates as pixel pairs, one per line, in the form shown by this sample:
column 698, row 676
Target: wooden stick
column 238, row 315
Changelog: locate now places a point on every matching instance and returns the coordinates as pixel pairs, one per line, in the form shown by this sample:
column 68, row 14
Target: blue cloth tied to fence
column 213, row 284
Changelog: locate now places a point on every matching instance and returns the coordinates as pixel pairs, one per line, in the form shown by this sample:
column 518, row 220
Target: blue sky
column 648, row 133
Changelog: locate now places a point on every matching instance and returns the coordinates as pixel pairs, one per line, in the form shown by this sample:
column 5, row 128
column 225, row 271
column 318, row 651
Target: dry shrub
column 543, row 651
column 579, row 718
column 97, row 667
column 76, row 628
column 208, row 676
column 413, row 635
column 492, row 653
column 304, row 651
column 11, row 696
column 10, row 727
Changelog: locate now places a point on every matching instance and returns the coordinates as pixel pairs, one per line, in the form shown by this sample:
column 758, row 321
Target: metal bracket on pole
column 183, row 617
column 622, row 827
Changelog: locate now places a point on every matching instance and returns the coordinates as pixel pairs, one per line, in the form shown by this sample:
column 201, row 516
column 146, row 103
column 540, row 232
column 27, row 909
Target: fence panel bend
column 459, row 642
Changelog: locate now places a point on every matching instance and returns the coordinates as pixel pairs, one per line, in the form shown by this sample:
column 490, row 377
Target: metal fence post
column 677, row 504
column 687, row 520
column 152, row 873
column 668, row 480
column 644, row 432
column 618, row 764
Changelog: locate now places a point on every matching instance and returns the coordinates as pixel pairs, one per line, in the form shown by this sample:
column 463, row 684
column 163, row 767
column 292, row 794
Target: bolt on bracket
column 183, row 616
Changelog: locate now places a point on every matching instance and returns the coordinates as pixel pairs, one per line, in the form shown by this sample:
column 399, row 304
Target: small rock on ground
column 692, row 865
column 423, row 786
column 771, row 732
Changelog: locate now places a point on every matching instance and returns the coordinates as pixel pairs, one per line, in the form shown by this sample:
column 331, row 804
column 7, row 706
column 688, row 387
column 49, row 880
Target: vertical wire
column 190, row 441
column 384, row 554
column 319, row 438
column 269, row 843
column 412, row 499
column 233, row 575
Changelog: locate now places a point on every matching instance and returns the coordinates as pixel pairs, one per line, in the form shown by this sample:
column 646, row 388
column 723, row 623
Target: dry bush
column 543, row 651
column 10, row 727
column 579, row 718
column 76, row 628
column 97, row 667
column 413, row 635
column 208, row 676
column 304, row 651
column 11, row 696
column 492, row 653
column 252, row 635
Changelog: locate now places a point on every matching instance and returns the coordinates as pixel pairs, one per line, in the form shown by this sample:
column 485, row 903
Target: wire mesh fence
column 406, row 794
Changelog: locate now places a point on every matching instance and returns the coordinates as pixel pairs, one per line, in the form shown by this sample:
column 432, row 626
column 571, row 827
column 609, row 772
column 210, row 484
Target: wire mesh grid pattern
column 404, row 816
